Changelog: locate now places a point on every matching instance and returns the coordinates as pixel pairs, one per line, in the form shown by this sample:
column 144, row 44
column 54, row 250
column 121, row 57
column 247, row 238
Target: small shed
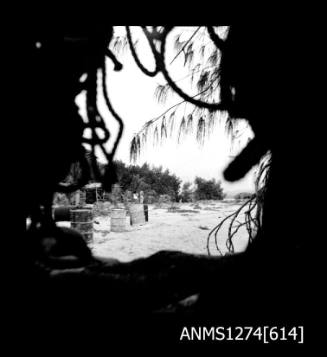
column 93, row 192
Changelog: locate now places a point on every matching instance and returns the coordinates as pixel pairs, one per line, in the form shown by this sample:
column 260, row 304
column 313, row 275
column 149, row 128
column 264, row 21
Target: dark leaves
column 161, row 93
column 203, row 80
column 134, row 150
column 138, row 143
column 189, row 127
column 178, row 44
column 214, row 58
column 171, row 122
column 211, row 121
column 229, row 126
column 119, row 44
column 182, row 127
column 203, row 60
column 201, row 130
column 156, row 136
column 143, row 139
column 202, row 50
column 163, row 129
column 188, row 55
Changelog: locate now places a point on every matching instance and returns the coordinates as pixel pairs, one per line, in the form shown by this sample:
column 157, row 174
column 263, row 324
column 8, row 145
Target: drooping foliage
column 199, row 56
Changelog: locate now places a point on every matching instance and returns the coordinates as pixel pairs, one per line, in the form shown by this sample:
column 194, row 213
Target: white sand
column 166, row 231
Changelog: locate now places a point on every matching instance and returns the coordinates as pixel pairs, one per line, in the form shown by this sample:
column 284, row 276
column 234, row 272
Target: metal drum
column 82, row 221
column 137, row 214
column 61, row 213
column 118, row 220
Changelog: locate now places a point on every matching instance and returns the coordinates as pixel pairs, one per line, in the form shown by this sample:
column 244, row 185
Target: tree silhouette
column 201, row 59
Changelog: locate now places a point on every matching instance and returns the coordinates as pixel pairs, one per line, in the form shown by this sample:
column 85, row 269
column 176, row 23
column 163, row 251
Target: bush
column 208, row 189
column 243, row 196
column 187, row 193
column 165, row 198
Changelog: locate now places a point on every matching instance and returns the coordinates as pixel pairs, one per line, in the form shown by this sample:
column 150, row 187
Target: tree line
column 153, row 181
column 156, row 182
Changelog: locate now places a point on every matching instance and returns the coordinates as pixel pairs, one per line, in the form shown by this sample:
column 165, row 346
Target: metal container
column 61, row 213
column 82, row 221
column 137, row 214
column 118, row 220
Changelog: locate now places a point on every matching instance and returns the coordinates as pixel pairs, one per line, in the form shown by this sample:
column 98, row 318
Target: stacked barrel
column 82, row 217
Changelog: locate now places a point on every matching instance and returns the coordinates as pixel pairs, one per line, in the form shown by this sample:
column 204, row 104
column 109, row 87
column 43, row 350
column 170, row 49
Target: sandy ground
column 183, row 231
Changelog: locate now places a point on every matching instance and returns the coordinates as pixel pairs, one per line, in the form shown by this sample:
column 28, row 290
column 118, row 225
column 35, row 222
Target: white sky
column 132, row 95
